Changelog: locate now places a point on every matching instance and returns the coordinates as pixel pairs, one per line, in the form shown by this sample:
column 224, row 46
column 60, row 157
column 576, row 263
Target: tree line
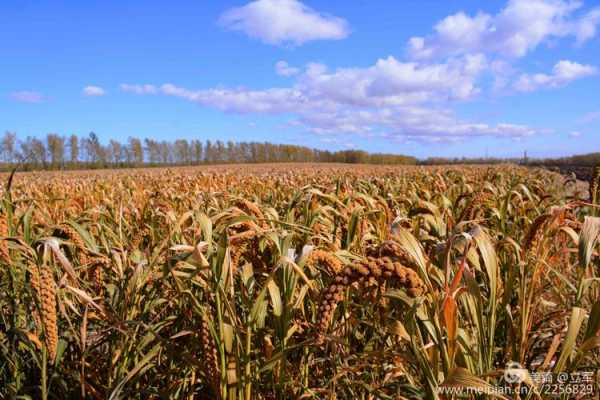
column 581, row 160
column 587, row 160
column 470, row 161
column 73, row 152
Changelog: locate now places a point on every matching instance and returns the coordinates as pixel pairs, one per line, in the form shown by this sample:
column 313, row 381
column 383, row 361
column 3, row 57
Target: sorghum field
column 295, row 282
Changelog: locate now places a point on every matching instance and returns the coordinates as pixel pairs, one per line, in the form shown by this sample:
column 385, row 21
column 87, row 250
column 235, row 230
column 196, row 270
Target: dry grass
column 293, row 281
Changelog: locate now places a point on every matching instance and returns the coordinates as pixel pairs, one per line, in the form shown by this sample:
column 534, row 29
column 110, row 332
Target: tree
column 197, row 151
column 136, row 150
column 244, row 152
column 74, row 149
column 208, row 152
column 96, row 153
column 26, row 153
column 33, row 152
column 164, row 149
column 56, row 149
column 7, row 146
column 254, row 152
column 181, row 150
column 152, row 150
column 115, row 152
column 231, row 152
column 219, row 152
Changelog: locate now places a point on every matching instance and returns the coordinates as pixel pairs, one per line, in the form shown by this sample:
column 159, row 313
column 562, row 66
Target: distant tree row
column 72, row 152
column 580, row 160
column 471, row 160
column 587, row 160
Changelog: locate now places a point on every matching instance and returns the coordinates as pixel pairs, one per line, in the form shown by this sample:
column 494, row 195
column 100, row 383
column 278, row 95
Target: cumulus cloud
column 574, row 134
column 392, row 82
column 408, row 123
column 517, row 29
column 388, row 82
column 269, row 101
column 27, row 96
column 391, row 99
column 93, row 91
column 563, row 72
column 139, row 89
column 585, row 28
column 283, row 22
column 590, row 117
column 284, row 69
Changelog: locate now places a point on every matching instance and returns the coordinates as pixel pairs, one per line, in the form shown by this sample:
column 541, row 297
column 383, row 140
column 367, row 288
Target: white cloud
column 139, row 89
column 502, row 72
column 284, row 69
column 586, row 27
column 27, row 96
column 563, row 72
column 517, row 29
column 388, row 82
column 390, row 99
column 590, row 117
column 414, row 123
column 574, row 134
column 93, row 91
column 272, row 101
column 283, row 21
column 391, row 82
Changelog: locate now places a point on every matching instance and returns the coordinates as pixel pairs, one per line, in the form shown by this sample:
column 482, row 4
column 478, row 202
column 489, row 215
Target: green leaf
column 142, row 366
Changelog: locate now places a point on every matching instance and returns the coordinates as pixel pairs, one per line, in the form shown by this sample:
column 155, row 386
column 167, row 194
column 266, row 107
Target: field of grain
column 296, row 281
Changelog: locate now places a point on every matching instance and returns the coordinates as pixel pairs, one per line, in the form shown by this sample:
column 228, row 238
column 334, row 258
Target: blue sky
column 426, row 78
